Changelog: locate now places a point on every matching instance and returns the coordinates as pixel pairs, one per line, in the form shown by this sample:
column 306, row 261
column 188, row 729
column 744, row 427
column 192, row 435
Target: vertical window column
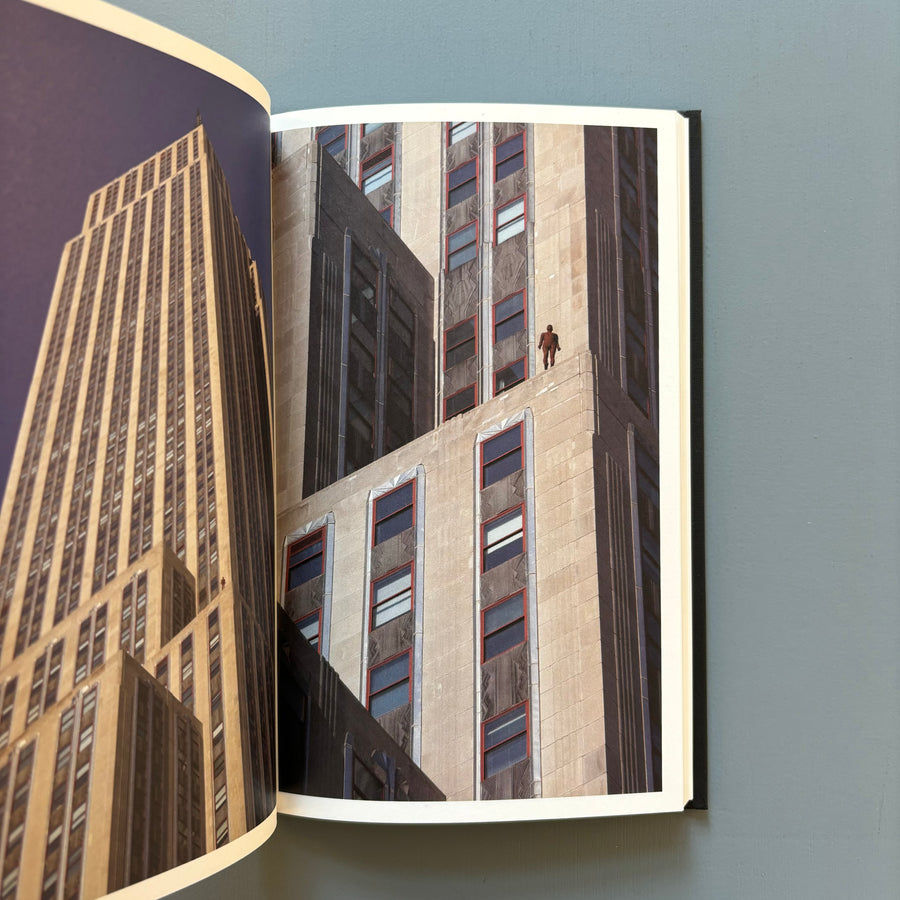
column 507, row 708
column 308, row 580
column 392, row 634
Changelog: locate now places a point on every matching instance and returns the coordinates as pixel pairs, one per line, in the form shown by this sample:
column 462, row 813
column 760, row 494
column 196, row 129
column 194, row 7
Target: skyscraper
column 490, row 589
column 136, row 629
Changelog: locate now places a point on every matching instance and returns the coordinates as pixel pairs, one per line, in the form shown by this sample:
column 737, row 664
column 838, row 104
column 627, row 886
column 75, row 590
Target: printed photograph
column 467, row 460
column 136, row 616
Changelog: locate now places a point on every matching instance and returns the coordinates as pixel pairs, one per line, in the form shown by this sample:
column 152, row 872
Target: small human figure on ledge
column 549, row 343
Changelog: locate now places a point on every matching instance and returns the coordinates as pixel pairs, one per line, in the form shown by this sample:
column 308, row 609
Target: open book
column 345, row 461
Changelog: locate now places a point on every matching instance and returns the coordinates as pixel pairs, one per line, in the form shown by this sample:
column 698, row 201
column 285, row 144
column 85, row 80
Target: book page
column 481, row 462
column 136, row 628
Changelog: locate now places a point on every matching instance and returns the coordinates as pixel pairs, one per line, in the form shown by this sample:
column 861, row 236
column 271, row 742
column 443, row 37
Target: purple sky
column 78, row 108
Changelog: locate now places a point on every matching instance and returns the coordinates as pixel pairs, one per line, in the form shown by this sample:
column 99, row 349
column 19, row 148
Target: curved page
column 136, row 625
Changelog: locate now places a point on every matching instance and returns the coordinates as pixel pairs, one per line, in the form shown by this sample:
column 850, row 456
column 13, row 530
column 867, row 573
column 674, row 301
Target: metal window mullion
column 381, row 351
column 418, row 599
column 531, row 599
column 345, row 355
column 639, row 607
column 486, row 240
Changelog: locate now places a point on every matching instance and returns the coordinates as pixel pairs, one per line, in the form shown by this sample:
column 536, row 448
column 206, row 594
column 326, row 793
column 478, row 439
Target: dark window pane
column 395, row 500
column 462, row 183
column 505, row 740
column 389, row 685
column 505, row 755
column 509, row 316
column 394, row 513
column 510, row 156
column 459, row 402
column 504, row 625
column 460, row 343
column 389, row 699
column 462, row 246
column 502, row 444
column 511, row 375
column 332, row 138
column 501, row 456
column 462, row 237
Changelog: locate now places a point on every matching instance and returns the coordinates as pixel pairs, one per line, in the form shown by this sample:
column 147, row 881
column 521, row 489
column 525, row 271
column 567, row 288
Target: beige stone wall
column 567, row 595
column 560, row 274
column 293, row 221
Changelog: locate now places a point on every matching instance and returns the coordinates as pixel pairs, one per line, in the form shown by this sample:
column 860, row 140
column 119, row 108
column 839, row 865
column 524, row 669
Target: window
column 393, row 513
column 305, row 559
column 377, row 170
column 509, row 220
column 509, row 316
column 310, row 627
column 333, row 138
column 462, row 246
column 501, row 538
column 456, row 131
column 459, row 343
column 509, row 156
column 389, row 685
column 506, row 378
column 369, row 127
column 391, row 596
column 459, row 402
column 503, row 626
column 366, row 784
column 388, row 215
column 505, row 740
column 501, row 456
column 462, row 182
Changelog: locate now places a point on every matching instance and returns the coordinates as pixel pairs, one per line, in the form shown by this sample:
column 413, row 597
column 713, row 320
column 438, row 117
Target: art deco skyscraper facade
column 490, row 589
column 136, row 629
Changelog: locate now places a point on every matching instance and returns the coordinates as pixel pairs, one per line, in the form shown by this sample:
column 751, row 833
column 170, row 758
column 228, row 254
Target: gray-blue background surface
column 801, row 155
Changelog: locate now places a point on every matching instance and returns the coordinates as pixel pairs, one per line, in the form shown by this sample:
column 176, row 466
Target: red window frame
column 318, row 614
column 520, row 447
column 412, row 505
column 389, row 209
column 512, row 137
column 523, row 619
column 449, row 129
column 472, row 387
column 333, row 140
column 495, row 323
column 411, row 565
column 484, row 526
column 297, row 546
column 527, row 732
column 384, row 662
column 500, row 209
column 448, row 189
column 459, row 249
column 474, row 337
column 521, row 359
column 377, row 162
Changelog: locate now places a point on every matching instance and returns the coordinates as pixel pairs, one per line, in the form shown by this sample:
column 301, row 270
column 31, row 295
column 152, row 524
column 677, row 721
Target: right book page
column 482, row 414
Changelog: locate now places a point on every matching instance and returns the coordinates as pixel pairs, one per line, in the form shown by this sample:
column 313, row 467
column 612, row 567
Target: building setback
column 136, row 629
column 490, row 590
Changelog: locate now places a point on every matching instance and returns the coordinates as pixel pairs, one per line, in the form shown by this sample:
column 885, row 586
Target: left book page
column 137, row 732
